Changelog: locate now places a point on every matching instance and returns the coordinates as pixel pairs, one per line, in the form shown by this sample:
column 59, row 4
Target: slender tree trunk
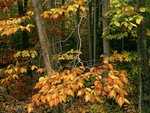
column 22, row 9
column 89, row 30
column 52, row 4
column 45, row 44
column 144, row 73
column 52, row 26
column 63, row 27
column 77, row 22
column 95, row 34
column 106, row 48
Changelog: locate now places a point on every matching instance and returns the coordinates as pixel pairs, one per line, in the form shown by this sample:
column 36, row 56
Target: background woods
column 85, row 56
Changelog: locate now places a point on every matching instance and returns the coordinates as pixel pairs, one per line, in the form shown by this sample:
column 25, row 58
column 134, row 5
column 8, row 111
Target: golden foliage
column 56, row 87
column 12, row 25
column 56, row 12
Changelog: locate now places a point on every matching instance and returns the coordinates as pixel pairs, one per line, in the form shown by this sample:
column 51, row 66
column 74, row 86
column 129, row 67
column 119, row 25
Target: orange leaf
column 98, row 98
column 40, row 70
column 110, row 66
column 30, row 108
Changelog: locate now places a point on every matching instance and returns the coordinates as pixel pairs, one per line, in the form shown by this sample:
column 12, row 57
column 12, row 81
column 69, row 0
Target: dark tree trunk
column 22, row 9
column 106, row 48
column 89, row 30
column 144, row 72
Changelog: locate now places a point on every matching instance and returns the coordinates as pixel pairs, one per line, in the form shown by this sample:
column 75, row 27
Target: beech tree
column 45, row 44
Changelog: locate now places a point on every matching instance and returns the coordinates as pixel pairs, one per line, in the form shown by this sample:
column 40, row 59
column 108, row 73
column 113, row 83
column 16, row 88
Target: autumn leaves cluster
column 88, row 83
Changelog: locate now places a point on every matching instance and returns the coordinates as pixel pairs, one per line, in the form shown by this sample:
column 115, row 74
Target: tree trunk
column 22, row 9
column 95, row 34
column 89, row 30
column 106, row 48
column 144, row 73
column 45, row 44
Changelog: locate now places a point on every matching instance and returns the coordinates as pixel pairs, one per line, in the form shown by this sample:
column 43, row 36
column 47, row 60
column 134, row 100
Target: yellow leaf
column 70, row 92
column 138, row 21
column 88, row 89
column 25, row 53
column 76, row 5
column 82, row 8
column 10, row 71
column 30, row 108
column 79, row 93
column 17, row 54
column 33, row 55
column 62, row 99
column 87, row 97
column 121, row 101
column 51, row 103
column 23, row 70
column 112, row 94
column 71, row 8
column 113, row 77
column 34, row 67
column 42, row 80
column 60, row 11
column 71, row 77
column 16, row 69
column 15, row 76
column 126, row 101
column 27, row 28
column 48, row 97
column 22, row 28
column 142, row 10
column 80, row 84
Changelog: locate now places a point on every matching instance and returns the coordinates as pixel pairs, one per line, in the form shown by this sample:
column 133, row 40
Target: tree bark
column 143, row 62
column 44, row 42
column 106, row 48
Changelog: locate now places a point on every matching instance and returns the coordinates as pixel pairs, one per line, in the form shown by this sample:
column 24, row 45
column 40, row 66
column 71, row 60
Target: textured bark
column 144, row 73
column 106, row 48
column 45, row 44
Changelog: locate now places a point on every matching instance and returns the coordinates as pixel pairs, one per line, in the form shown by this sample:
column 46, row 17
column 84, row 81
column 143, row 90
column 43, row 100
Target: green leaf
column 117, row 23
